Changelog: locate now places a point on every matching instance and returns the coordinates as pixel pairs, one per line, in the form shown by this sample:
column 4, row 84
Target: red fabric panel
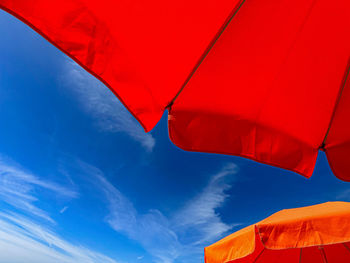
column 143, row 50
column 268, row 87
column 336, row 253
column 218, row 133
column 311, row 254
column 280, row 256
column 337, row 145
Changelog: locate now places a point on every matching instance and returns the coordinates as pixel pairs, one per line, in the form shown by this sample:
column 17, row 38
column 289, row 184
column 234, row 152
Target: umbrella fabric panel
column 279, row 256
column 256, row 253
column 260, row 254
column 312, row 254
column 337, row 253
column 225, row 134
column 270, row 84
column 142, row 50
column 244, row 243
column 337, row 143
column 327, row 223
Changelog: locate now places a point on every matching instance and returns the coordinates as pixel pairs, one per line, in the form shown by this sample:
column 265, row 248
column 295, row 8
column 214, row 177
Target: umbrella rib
column 256, row 259
column 347, row 248
column 323, row 254
column 207, row 50
column 301, row 252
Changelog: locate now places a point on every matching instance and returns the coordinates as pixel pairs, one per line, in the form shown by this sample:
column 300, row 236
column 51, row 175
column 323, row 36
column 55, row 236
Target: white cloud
column 18, row 188
column 26, row 238
column 98, row 101
column 22, row 240
column 181, row 236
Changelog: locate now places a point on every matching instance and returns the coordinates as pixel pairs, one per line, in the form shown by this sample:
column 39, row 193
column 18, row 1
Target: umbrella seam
column 208, row 49
column 256, row 259
column 346, row 75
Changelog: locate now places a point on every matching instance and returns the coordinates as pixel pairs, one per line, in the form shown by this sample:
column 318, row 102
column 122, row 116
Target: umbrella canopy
column 319, row 233
column 263, row 79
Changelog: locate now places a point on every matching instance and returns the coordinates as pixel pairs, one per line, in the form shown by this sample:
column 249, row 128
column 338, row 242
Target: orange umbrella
column 319, row 233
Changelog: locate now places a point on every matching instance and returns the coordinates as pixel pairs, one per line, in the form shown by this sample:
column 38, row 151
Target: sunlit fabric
column 314, row 234
column 263, row 79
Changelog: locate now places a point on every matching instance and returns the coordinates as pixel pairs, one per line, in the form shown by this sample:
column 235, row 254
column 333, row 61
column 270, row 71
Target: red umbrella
column 263, row 79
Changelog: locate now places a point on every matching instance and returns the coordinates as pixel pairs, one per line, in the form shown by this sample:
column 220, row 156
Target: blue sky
column 80, row 181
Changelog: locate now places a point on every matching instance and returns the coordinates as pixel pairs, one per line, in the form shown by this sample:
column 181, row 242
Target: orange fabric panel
column 322, row 224
column 284, row 233
column 268, row 87
column 242, row 242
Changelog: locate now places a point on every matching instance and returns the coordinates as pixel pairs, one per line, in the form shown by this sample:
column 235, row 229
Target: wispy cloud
column 151, row 230
column 168, row 238
column 24, row 236
column 18, row 188
column 63, row 209
column 22, row 240
column 98, row 101
column 198, row 221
